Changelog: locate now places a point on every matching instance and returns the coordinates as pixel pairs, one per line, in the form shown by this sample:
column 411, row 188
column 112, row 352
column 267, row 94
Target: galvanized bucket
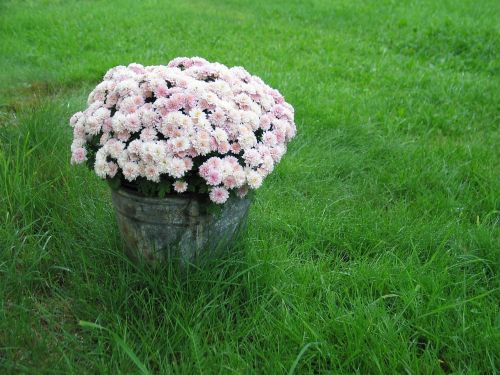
column 177, row 227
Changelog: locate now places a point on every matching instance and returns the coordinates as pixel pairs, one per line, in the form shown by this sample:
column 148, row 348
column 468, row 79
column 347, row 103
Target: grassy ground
column 373, row 248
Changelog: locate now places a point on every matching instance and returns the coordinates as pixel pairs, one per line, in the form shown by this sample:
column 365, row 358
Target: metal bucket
column 176, row 227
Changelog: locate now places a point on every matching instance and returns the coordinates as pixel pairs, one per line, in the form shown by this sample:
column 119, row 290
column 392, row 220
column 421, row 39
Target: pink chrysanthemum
column 214, row 177
column 180, row 186
column 219, row 195
column 79, row 155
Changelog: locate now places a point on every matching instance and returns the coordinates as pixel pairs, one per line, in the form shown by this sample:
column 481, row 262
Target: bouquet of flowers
column 189, row 126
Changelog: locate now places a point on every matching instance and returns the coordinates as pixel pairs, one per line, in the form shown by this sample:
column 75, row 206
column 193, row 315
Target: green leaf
column 164, row 189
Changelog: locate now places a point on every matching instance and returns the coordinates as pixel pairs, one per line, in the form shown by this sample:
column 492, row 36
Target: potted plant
column 178, row 143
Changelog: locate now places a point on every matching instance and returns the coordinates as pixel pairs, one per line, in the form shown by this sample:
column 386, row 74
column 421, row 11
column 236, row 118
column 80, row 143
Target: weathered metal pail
column 176, row 227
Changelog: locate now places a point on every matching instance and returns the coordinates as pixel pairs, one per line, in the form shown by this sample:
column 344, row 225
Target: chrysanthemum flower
column 180, row 186
column 191, row 119
column 219, row 195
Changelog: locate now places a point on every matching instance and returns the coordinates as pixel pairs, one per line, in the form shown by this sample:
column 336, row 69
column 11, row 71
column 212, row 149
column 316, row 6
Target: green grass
column 372, row 248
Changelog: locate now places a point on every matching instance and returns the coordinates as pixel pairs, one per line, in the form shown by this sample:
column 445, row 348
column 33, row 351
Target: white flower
column 101, row 168
column 247, row 140
column 127, row 87
column 119, row 122
column 220, row 135
column 179, row 144
column 240, row 177
column 147, row 151
column 252, row 157
column 226, row 169
column 101, row 114
column 77, row 143
column 254, row 179
column 177, row 168
column 268, row 138
column 251, row 119
column 115, row 148
column 152, row 173
column 74, row 119
column 101, row 155
column 197, row 115
column 92, row 126
column 201, row 145
column 243, row 100
column 180, row 186
column 79, row 131
column 148, row 134
column 164, row 164
column 158, row 152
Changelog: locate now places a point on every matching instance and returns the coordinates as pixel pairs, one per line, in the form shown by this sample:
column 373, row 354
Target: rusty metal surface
column 175, row 227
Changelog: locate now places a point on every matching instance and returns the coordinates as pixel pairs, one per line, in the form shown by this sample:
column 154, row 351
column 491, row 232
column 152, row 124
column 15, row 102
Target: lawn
column 372, row 248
